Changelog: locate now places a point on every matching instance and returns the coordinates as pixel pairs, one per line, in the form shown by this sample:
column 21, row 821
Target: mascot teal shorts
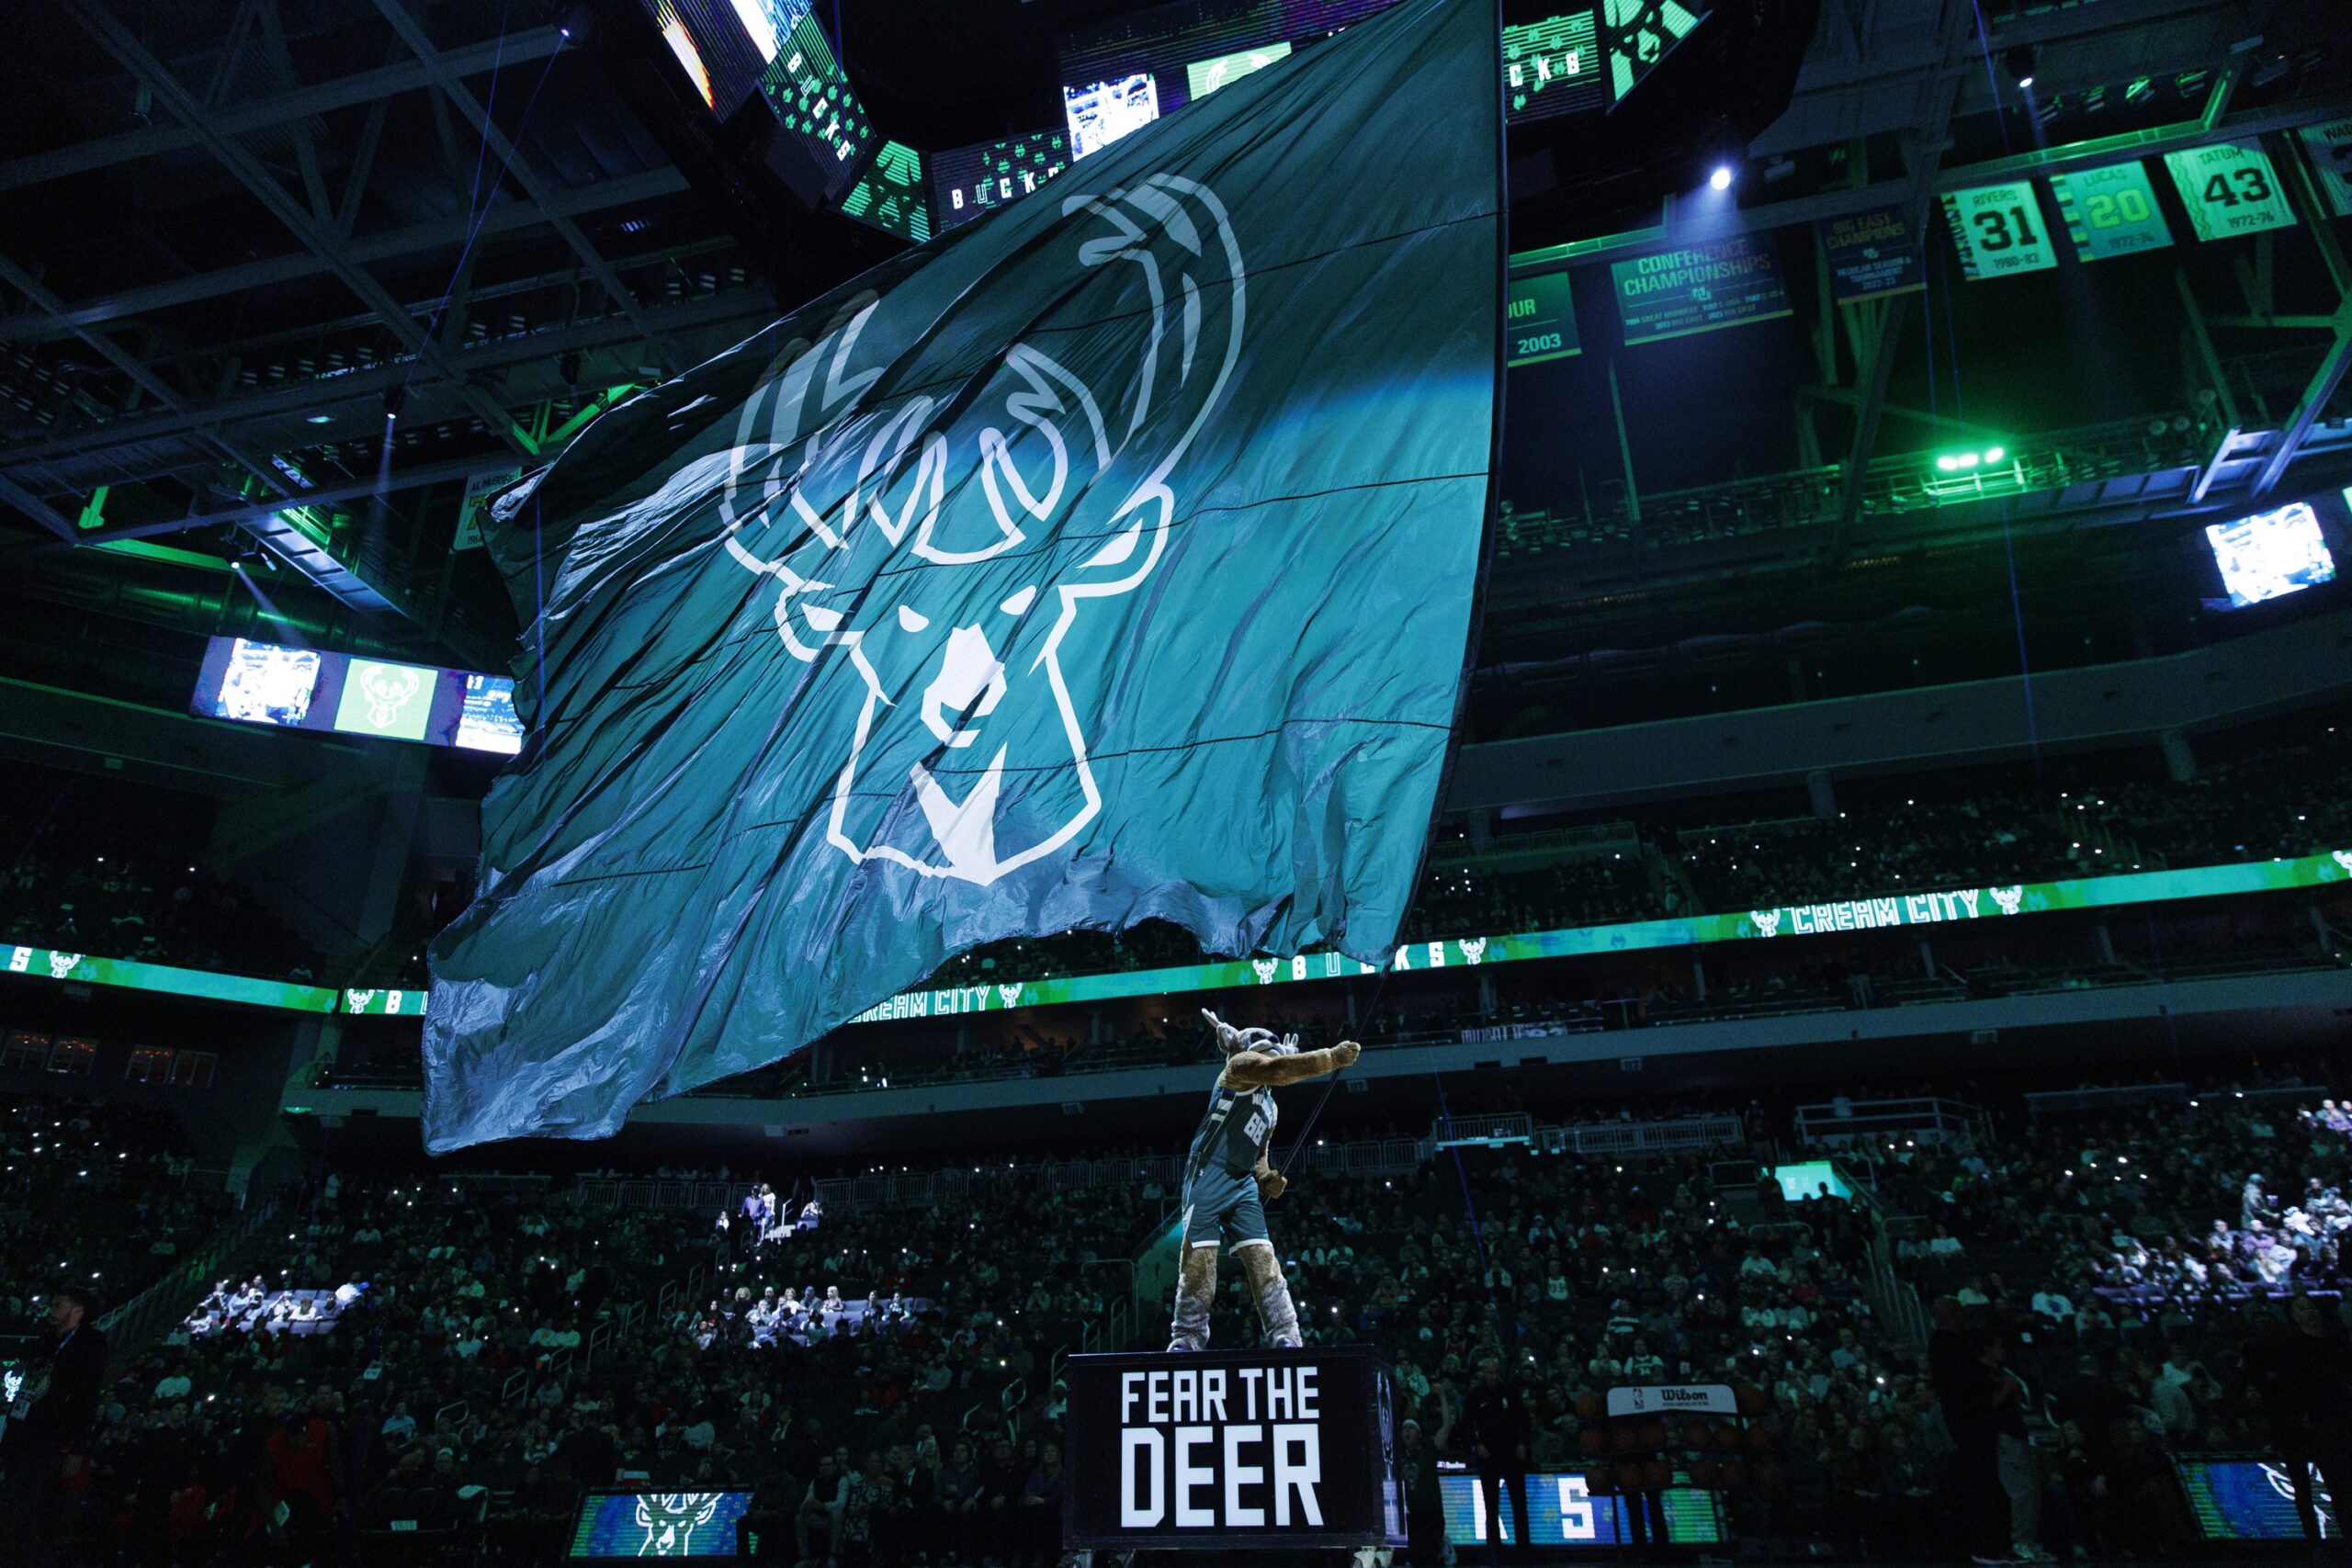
column 1221, row 1206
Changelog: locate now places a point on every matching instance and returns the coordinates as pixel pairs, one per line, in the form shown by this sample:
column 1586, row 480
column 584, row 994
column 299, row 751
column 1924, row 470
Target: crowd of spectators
column 96, row 1194
column 150, row 908
column 505, row 1345
column 509, row 1350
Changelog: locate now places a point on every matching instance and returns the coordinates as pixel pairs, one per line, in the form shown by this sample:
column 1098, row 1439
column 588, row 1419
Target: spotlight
column 393, row 400
column 2019, row 61
column 1721, row 179
column 320, row 418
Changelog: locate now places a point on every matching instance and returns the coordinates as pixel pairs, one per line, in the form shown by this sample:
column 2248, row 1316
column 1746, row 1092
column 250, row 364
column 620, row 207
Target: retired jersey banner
column 2111, row 211
column 1676, row 293
column 2230, row 188
column 1112, row 557
column 2329, row 147
column 1874, row 252
column 1999, row 231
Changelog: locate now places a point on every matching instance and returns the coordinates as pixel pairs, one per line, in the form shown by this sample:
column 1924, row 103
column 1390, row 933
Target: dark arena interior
column 1686, row 657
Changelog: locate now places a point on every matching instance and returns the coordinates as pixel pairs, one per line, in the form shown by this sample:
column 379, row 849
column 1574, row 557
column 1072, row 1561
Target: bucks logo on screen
column 948, row 551
column 671, row 1519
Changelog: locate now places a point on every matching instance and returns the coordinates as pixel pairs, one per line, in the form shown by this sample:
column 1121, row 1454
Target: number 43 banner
column 2229, row 188
column 1999, row 231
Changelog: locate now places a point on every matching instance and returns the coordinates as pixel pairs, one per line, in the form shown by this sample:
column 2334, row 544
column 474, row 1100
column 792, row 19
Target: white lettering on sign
column 1872, row 914
column 1200, row 1450
column 20, row 959
column 1238, row 1475
column 1189, row 1476
column 1146, row 1509
column 1298, row 1471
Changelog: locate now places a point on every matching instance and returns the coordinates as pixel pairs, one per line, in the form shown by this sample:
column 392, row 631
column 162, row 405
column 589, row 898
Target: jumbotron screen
column 2271, row 554
column 247, row 682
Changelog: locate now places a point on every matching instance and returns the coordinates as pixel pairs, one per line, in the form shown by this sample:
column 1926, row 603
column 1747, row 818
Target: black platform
column 1232, row 1450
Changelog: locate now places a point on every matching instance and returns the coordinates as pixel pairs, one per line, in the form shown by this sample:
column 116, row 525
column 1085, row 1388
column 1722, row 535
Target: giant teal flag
column 1113, row 557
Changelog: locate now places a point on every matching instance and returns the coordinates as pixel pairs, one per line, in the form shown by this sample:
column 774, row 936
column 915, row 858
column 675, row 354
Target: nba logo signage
column 1232, row 1449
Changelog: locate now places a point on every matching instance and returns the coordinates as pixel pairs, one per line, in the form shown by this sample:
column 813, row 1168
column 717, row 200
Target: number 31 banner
column 1999, row 231
column 2229, row 189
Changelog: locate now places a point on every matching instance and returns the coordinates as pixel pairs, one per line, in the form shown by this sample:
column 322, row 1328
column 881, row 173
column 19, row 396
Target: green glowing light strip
column 48, row 964
column 1782, row 920
column 1860, row 914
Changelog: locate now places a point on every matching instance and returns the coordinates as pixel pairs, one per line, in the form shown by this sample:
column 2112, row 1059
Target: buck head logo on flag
column 1112, row 557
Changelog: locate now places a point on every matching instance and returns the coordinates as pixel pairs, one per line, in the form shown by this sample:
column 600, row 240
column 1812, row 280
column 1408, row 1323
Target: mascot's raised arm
column 1229, row 1181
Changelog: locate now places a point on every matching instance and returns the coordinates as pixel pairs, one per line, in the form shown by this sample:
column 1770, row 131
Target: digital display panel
column 812, row 99
column 488, row 721
column 1550, row 67
column 1202, row 77
column 2252, row 1499
column 1102, row 112
column 1553, row 64
column 723, row 45
column 1641, row 34
column 378, row 1002
column 890, row 194
column 391, row 700
column 659, row 1524
column 1562, row 1511
column 968, row 181
column 299, row 688
column 1781, row 922
column 264, row 683
column 2271, row 554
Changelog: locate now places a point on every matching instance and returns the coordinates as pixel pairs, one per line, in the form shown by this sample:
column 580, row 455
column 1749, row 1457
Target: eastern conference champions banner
column 1094, row 562
column 1233, row 1449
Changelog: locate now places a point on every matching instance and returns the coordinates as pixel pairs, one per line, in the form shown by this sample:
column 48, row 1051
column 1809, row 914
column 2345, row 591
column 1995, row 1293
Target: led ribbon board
column 1999, row 231
column 2111, row 211
column 81, row 968
column 1781, row 920
column 2229, row 188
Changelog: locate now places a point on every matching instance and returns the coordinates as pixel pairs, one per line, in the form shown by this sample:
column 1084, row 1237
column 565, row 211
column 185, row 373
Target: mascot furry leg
column 1196, row 1293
